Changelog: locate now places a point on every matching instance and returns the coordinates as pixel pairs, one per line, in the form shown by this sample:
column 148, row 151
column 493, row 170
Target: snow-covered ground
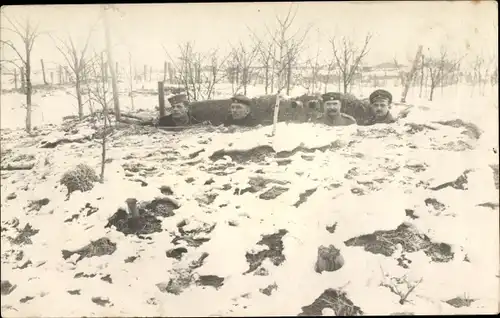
column 249, row 223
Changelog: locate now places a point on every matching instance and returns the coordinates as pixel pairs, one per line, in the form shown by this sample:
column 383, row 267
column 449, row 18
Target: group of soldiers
column 240, row 111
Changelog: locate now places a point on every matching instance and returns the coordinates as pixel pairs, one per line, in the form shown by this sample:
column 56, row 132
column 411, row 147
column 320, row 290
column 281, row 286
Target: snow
column 375, row 159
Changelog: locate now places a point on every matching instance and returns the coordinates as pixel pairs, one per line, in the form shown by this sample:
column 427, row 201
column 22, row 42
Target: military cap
column 241, row 99
column 331, row 96
column 380, row 93
column 176, row 99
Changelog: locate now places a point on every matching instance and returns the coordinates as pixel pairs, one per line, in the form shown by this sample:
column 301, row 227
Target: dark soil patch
column 194, row 242
column 257, row 154
column 62, row 141
column 89, row 209
column 176, row 253
column 189, row 180
column 195, row 154
column 166, row 190
column 336, row 300
column 199, row 262
column 130, row 259
column 490, row 205
column 496, row 177
column 101, row 301
column 6, row 287
column 411, row 214
column 415, row 128
column 460, row 183
column 331, row 228
column 269, row 289
column 176, row 285
column 303, row 197
column 257, row 184
column 274, row 252
column 26, row 299
column 207, row 198
column 11, row 196
column 471, row 130
column 384, row 242
column 82, row 274
column 24, row 236
column 273, row 193
column 25, row 265
column 301, row 148
column 459, row 302
column 38, row 204
column 210, row 280
column 74, row 292
column 416, row 167
column 107, row 278
column 438, row 206
column 147, row 222
column 403, row 261
column 72, row 218
column 100, row 247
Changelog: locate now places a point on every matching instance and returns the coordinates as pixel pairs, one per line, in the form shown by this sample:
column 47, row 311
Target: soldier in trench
column 380, row 105
column 240, row 112
column 179, row 115
column 332, row 115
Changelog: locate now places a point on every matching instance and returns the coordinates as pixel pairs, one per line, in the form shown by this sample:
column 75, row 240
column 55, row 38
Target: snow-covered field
column 247, row 213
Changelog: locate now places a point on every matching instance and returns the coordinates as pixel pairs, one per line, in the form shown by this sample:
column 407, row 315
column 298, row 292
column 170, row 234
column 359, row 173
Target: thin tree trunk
column 79, row 96
column 411, row 74
column 28, row 88
column 131, row 81
column 164, row 71
column 15, row 78
column 432, row 92
column 161, row 98
column 43, row 73
column 289, row 77
column 422, row 69
column 60, row 75
column 111, row 67
column 23, row 81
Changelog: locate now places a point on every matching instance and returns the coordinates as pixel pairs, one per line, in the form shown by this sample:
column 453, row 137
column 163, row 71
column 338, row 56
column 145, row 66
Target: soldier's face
column 239, row 111
column 380, row 107
column 179, row 110
column 332, row 107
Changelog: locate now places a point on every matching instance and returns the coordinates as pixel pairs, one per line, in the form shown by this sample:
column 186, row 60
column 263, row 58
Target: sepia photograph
column 231, row 159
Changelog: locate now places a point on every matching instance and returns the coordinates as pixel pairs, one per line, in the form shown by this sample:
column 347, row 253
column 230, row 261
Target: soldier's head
column 380, row 102
column 179, row 105
column 332, row 103
column 240, row 106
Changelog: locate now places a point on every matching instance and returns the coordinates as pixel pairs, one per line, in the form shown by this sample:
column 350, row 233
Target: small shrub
column 82, row 178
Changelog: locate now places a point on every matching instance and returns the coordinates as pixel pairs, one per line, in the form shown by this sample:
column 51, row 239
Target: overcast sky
column 142, row 29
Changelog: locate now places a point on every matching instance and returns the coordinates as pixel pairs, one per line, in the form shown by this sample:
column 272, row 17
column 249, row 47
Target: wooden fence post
column 161, row 98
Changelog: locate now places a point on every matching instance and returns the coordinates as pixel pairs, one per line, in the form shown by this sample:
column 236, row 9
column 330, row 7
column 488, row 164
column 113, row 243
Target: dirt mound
column 335, row 300
column 385, row 243
column 274, row 252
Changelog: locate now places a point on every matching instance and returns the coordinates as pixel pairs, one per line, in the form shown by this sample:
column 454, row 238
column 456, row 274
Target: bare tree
column 28, row 34
column 243, row 58
column 99, row 93
column 131, row 80
column 76, row 62
column 408, row 77
column 197, row 72
column 439, row 68
column 110, row 63
column 348, row 57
